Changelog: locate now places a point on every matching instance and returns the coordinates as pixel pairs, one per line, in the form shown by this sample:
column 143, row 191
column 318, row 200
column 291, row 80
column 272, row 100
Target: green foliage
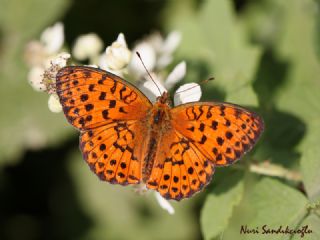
column 125, row 212
column 278, row 69
column 25, row 120
column 218, row 208
column 264, row 56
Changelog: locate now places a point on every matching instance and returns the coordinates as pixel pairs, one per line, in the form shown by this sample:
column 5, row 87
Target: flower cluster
column 47, row 55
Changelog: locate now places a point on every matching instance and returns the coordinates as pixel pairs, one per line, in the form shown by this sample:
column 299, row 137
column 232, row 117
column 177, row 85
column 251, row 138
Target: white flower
column 35, row 77
column 176, row 75
column 171, row 43
column 54, row 103
column 168, row 47
column 51, row 42
column 52, row 38
column 164, row 203
column 34, row 53
column 87, row 46
column 155, row 52
column 116, row 56
column 59, row 60
column 148, row 56
column 190, row 92
column 150, row 89
column 43, row 56
column 53, row 65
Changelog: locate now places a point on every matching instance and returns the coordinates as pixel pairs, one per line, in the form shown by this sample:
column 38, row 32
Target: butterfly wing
column 203, row 135
column 223, row 132
column 109, row 112
column 180, row 169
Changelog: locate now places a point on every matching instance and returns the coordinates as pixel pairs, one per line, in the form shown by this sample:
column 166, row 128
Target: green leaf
column 219, row 205
column 310, row 162
column 275, row 204
column 288, row 84
column 317, row 32
column 311, row 222
column 300, row 96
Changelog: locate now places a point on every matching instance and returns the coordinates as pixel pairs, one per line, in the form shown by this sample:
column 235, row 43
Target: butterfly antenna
column 148, row 72
column 202, row 82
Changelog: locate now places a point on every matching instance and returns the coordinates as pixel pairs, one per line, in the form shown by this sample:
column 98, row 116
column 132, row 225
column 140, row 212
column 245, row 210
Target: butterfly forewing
column 109, row 112
column 222, row 132
column 92, row 97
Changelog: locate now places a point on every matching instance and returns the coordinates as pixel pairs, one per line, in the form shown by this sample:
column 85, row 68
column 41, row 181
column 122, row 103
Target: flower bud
column 54, row 103
column 117, row 55
column 87, row 46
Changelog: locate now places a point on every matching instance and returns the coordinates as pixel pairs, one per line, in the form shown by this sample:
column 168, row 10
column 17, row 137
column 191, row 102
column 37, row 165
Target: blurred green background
column 264, row 55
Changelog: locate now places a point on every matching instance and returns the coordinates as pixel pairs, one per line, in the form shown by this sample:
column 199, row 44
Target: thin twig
column 270, row 169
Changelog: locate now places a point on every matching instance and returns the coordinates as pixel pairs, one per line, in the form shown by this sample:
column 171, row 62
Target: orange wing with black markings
column 180, row 169
column 202, row 136
column 109, row 112
column 125, row 139
column 222, row 132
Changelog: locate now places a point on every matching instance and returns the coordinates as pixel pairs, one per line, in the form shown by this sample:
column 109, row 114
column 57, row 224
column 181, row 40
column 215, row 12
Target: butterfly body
column 126, row 139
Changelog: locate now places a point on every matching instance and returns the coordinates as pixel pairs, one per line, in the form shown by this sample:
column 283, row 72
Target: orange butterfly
column 126, row 139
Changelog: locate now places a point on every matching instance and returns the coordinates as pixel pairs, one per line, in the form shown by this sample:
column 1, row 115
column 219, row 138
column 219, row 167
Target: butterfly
column 127, row 139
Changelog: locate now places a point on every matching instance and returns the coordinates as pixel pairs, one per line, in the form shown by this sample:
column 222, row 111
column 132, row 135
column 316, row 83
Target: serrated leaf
column 219, row 205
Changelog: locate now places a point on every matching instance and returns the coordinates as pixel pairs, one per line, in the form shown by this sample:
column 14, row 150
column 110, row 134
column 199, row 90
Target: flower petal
column 176, row 75
column 54, row 103
column 148, row 56
column 121, row 40
column 171, row 42
column 164, row 203
column 34, row 53
column 150, row 89
column 117, row 56
column 87, row 46
column 53, row 38
column 52, row 67
column 190, row 92
column 59, row 60
column 156, row 40
column 35, row 77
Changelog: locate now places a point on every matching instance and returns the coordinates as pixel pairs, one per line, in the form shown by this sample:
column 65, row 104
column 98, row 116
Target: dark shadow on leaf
column 240, row 5
column 224, row 179
column 38, row 199
column 283, row 130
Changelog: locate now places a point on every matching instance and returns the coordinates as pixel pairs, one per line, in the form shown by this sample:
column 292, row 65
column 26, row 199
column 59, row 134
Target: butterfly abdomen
column 158, row 123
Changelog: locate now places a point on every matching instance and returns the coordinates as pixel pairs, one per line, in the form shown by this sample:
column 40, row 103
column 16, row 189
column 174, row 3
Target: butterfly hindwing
column 113, row 152
column 180, row 170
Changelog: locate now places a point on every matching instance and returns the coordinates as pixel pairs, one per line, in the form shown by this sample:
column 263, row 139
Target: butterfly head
column 164, row 99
